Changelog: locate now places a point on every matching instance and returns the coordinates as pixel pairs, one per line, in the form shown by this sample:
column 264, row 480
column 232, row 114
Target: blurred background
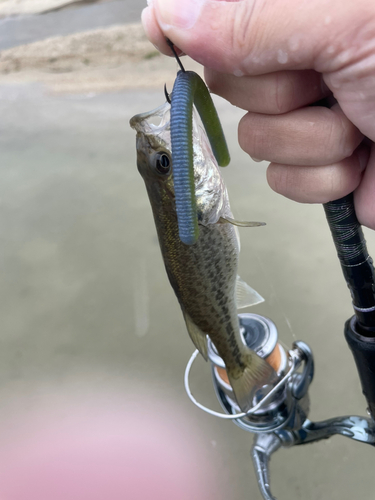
column 89, row 323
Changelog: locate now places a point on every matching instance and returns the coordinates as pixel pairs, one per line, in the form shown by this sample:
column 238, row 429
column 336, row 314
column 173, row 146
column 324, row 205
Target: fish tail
column 255, row 375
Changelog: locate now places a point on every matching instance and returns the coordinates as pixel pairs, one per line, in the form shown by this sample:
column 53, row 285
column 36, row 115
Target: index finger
column 273, row 93
column 258, row 36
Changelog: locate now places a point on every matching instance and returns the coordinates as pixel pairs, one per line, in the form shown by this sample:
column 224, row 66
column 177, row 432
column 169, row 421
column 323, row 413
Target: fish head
column 154, row 157
column 154, row 161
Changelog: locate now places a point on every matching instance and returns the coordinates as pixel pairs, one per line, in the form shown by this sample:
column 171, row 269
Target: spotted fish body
column 203, row 275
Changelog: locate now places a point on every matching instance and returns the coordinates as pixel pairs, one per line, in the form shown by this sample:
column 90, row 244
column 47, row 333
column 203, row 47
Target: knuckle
column 242, row 29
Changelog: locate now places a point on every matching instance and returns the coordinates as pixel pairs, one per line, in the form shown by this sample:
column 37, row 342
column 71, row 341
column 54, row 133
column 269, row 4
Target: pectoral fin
column 245, row 295
column 198, row 337
column 229, row 220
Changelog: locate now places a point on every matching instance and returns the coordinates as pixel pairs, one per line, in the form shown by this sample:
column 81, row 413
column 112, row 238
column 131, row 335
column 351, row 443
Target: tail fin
column 245, row 384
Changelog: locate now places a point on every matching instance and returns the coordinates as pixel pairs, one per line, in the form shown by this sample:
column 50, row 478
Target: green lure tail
column 189, row 89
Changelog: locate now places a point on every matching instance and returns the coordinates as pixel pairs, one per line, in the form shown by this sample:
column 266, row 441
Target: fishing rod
column 358, row 270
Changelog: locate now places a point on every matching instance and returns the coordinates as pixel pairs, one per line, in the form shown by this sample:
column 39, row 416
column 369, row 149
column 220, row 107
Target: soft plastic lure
column 189, row 89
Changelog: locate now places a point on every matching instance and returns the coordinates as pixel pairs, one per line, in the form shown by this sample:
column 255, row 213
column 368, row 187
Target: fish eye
column 162, row 163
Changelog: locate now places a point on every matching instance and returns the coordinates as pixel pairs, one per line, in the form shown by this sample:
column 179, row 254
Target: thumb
column 259, row 36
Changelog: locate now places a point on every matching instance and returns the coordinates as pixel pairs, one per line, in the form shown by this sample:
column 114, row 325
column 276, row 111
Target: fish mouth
column 142, row 121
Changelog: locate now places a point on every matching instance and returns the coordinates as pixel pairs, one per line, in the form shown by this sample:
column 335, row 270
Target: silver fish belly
column 203, row 275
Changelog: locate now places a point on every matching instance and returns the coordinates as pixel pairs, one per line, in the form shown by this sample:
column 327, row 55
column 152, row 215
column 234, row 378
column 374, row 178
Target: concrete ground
column 86, row 306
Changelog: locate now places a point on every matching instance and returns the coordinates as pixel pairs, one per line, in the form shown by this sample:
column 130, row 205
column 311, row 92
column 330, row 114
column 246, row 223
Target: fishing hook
column 175, row 55
column 189, row 89
column 167, row 96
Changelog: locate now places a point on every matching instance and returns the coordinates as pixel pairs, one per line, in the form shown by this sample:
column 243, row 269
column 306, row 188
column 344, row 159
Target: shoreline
column 101, row 60
column 13, row 8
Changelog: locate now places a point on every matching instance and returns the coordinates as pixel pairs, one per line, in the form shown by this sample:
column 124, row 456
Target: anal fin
column 198, row 337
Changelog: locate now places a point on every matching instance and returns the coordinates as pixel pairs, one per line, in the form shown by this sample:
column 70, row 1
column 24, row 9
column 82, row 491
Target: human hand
column 77, row 446
column 274, row 58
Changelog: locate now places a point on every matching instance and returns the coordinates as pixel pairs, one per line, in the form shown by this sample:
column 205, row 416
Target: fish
column 203, row 275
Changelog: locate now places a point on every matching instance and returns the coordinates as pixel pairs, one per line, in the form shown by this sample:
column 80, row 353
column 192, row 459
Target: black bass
column 203, row 275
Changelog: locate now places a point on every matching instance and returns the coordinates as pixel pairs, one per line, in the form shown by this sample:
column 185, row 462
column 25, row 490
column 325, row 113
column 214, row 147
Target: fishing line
column 274, row 295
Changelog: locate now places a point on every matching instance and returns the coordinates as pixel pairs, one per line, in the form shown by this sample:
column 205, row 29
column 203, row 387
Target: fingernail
column 179, row 13
column 255, row 159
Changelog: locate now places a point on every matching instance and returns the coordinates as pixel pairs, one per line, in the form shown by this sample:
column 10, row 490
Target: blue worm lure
column 189, row 89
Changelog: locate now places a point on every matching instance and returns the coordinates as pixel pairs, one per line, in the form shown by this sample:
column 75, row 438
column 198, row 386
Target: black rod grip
column 363, row 350
column 356, row 264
